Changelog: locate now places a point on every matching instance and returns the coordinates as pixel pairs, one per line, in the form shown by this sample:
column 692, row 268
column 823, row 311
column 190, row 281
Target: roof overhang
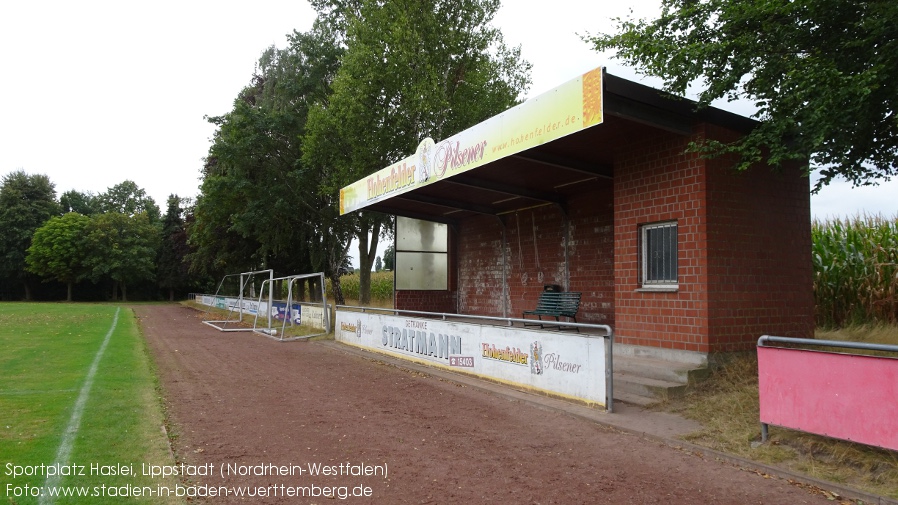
column 539, row 153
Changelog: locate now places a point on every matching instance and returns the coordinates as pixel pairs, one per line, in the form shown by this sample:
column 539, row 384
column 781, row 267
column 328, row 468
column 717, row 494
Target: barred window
column 659, row 254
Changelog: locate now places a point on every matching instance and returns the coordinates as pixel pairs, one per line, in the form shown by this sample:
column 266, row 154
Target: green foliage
column 57, row 249
column 83, row 203
column 121, row 247
column 820, row 72
column 856, row 270
column 26, row 202
column 129, row 199
column 390, row 257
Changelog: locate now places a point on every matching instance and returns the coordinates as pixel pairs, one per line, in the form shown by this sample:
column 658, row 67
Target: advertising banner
column 563, row 364
column 305, row 315
column 567, row 109
column 231, row 303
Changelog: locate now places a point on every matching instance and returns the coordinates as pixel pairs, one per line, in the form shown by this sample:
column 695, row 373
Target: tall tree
column 26, row 203
column 172, row 271
column 821, row 73
column 257, row 207
column 411, row 70
column 57, row 250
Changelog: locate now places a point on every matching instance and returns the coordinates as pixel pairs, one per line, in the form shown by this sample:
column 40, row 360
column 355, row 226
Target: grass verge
column 727, row 406
column 48, row 350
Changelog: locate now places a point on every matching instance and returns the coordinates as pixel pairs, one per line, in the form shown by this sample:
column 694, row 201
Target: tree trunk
column 68, row 297
column 27, row 290
column 171, row 294
column 124, row 292
column 337, row 289
column 367, row 253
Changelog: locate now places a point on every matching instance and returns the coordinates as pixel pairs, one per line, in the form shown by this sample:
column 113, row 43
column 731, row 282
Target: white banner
column 563, row 364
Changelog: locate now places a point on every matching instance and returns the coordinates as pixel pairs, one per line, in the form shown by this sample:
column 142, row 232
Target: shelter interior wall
column 503, row 266
column 427, row 301
column 760, row 276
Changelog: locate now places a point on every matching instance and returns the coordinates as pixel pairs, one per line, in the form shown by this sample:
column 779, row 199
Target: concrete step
column 642, row 401
column 658, row 369
column 648, row 387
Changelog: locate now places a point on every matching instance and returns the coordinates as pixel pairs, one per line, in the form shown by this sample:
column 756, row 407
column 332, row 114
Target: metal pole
column 270, row 296
column 609, row 373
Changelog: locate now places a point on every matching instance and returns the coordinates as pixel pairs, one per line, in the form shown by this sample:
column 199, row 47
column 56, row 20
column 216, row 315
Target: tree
column 57, row 250
column 378, row 264
column 390, row 257
column 258, row 206
column 171, row 265
column 122, row 247
column 26, row 203
column 820, row 72
column 129, row 199
column 462, row 74
column 83, row 203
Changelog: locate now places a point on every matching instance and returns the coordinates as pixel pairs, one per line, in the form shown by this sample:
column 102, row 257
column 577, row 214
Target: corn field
column 856, row 270
column 381, row 287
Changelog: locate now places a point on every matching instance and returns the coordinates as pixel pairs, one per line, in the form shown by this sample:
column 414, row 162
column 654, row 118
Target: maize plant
column 855, row 270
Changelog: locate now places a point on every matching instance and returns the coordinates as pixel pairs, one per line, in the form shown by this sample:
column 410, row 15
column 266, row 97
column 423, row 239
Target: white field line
column 68, row 437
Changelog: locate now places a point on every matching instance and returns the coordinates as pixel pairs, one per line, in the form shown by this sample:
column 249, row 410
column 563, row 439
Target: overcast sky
column 97, row 92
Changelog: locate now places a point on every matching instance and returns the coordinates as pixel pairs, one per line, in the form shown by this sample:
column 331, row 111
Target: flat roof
column 528, row 156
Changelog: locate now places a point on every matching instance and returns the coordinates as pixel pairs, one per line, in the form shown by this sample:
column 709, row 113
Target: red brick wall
column 654, row 181
column 760, row 277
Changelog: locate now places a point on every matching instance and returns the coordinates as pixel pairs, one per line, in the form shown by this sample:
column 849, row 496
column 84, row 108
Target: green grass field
column 48, row 351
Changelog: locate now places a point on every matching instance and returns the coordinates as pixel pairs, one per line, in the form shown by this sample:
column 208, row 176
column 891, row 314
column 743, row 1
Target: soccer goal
column 296, row 318
column 235, row 297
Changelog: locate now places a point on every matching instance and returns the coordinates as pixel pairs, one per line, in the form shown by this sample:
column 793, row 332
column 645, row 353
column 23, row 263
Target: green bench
column 556, row 304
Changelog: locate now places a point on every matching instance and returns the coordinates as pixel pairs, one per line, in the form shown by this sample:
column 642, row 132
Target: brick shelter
column 677, row 253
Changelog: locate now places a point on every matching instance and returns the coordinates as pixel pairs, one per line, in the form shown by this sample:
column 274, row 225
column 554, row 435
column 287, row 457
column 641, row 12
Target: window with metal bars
column 659, row 254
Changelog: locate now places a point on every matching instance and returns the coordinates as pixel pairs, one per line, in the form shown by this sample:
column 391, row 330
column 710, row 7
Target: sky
column 98, row 92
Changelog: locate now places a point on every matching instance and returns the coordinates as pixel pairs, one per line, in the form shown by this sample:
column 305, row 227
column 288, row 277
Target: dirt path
column 246, row 400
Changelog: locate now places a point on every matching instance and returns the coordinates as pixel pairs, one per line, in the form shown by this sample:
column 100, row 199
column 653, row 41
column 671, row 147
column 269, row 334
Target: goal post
column 237, row 302
column 296, row 319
